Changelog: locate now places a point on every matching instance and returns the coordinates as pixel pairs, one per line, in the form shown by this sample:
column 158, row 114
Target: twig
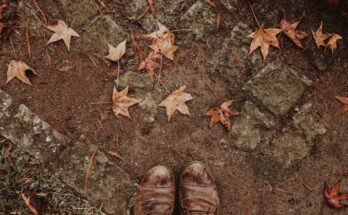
column 165, row 87
column 27, row 202
column 160, row 70
column 28, row 42
column 41, row 12
column 183, row 29
column 146, row 10
column 13, row 49
column 115, row 154
column 252, row 10
column 100, row 103
column 47, row 53
column 218, row 20
column 89, row 166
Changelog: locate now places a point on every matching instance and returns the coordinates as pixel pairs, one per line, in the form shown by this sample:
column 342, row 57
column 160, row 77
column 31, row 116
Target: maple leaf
column 222, row 114
column 334, row 197
column 176, row 101
column 264, row 38
column 289, row 29
column 115, row 54
column 164, row 41
column 16, row 69
column 319, row 37
column 151, row 63
column 62, row 32
column 121, row 102
column 332, row 43
column 344, row 101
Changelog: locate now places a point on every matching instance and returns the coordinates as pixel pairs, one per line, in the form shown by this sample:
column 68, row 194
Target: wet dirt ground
column 72, row 99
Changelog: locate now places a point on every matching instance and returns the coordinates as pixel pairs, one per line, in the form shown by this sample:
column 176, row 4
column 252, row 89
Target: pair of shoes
column 197, row 192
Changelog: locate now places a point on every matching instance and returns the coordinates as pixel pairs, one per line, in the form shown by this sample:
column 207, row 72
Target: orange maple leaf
column 176, row 101
column 289, row 29
column 333, row 196
column 264, row 38
column 17, row 69
column 319, row 37
column 344, row 101
column 121, row 102
column 221, row 114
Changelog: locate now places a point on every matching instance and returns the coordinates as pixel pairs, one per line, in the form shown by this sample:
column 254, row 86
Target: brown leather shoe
column 198, row 192
column 156, row 193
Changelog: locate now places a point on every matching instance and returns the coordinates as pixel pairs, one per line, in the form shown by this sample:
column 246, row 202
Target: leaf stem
column 252, row 10
column 118, row 72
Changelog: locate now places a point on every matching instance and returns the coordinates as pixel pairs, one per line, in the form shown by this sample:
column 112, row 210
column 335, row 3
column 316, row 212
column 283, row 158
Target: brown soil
column 66, row 100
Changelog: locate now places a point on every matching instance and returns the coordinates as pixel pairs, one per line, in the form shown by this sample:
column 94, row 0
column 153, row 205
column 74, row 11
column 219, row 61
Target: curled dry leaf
column 222, row 114
column 264, row 38
column 319, row 37
column 115, row 54
column 332, row 43
column 151, row 63
column 164, row 41
column 289, row 29
column 16, row 69
column 344, row 101
column 121, row 102
column 176, row 101
column 334, row 197
column 62, row 32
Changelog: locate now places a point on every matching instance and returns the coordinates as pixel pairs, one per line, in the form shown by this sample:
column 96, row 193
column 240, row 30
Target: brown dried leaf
column 332, row 43
column 16, row 69
column 121, row 102
column 62, row 32
column 264, row 38
column 319, row 37
column 176, row 101
column 115, row 54
column 333, row 196
column 221, row 114
column 344, row 101
column 164, row 41
column 151, row 63
column 289, row 29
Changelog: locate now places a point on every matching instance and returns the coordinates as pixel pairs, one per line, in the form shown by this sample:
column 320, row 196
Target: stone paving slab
column 5, row 103
column 108, row 184
column 278, row 87
column 249, row 129
column 304, row 121
column 97, row 33
column 201, row 19
column 231, row 59
column 26, row 130
column 79, row 12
